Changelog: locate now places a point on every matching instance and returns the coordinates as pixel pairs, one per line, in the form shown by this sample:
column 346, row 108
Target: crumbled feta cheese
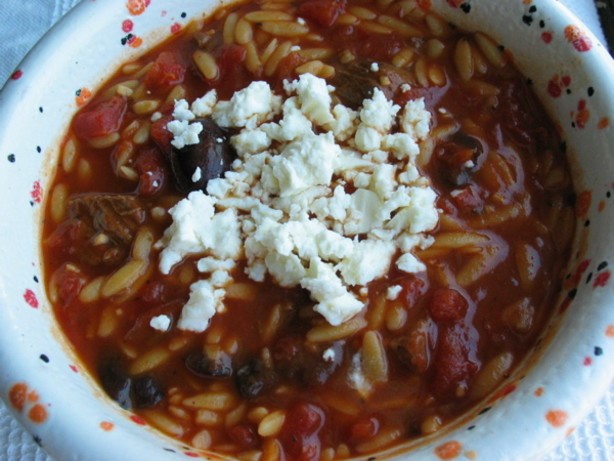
column 369, row 260
column 202, row 305
column 293, row 125
column 285, row 205
column 415, row 119
column 247, row 107
column 184, row 133
column 314, row 97
column 378, row 112
column 409, row 263
column 198, row 229
column 182, row 111
column 420, row 215
column 156, row 116
column 344, row 125
column 250, row 142
column 302, row 164
column 329, row 355
column 203, row 106
column 367, row 138
column 374, row 67
column 160, row 322
column 393, row 292
column 197, row 175
column 335, row 302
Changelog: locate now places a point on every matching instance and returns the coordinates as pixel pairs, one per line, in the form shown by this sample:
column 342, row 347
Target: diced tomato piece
column 153, row 292
column 244, row 435
column 300, row 432
column 69, row 282
column 166, row 72
column 454, row 363
column 160, row 134
column 447, row 306
column 364, row 429
column 233, row 73
column 323, row 12
column 379, row 47
column 467, row 199
column 285, row 68
column 104, row 118
column 152, row 172
column 414, row 288
column 67, row 234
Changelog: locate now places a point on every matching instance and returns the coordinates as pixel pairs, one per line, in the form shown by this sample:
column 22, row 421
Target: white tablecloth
column 23, row 22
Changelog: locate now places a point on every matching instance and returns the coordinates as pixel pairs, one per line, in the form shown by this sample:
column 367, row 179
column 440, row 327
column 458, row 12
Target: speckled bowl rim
column 534, row 410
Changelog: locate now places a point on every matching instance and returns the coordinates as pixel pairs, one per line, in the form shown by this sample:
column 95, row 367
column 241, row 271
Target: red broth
column 268, row 378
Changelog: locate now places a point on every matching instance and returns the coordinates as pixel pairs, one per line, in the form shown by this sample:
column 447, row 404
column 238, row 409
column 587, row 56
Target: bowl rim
column 13, row 91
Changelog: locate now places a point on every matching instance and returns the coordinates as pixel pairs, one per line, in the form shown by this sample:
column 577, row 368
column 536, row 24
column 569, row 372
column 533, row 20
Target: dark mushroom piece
column 254, row 379
column 460, row 157
column 128, row 391
column 211, row 158
column 216, row 366
column 355, row 81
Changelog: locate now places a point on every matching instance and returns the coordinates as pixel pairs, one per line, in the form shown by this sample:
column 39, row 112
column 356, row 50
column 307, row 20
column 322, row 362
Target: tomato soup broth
column 268, row 376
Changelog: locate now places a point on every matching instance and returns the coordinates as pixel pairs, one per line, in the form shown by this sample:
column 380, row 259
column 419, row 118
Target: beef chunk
column 107, row 224
column 355, row 81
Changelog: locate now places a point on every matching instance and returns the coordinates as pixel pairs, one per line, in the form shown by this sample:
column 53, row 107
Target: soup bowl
column 51, row 393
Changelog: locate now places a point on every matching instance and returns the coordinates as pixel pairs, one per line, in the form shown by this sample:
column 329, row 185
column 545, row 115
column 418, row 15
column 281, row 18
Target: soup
column 308, row 230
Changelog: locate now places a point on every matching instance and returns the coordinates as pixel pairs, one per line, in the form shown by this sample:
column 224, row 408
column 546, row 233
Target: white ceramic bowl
column 62, row 407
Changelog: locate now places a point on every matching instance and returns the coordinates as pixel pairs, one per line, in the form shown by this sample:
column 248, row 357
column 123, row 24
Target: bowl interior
column 534, row 409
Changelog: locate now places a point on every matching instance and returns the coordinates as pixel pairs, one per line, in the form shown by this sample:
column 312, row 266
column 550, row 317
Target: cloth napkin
column 24, row 22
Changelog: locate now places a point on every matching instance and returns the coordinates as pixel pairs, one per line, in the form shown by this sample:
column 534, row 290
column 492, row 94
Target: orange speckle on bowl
column 471, row 455
column 107, row 426
column 135, row 42
column 17, row 395
column 609, row 331
column 603, row 123
column 33, row 396
column 601, row 206
column 38, row 414
column 578, row 38
column 570, row 431
column 449, row 450
column 557, row 418
column 137, row 7
column 83, row 96
column 538, row 392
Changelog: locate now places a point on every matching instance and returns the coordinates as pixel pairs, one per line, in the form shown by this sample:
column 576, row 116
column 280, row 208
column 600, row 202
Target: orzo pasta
column 308, row 229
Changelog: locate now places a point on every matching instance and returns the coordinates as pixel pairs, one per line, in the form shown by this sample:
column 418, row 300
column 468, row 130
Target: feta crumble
column 321, row 197
column 160, row 322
